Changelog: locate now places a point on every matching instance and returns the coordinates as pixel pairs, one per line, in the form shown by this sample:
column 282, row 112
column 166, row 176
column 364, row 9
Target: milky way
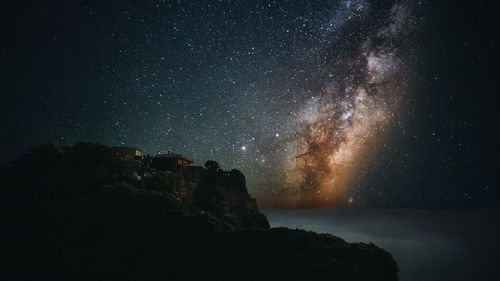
column 357, row 89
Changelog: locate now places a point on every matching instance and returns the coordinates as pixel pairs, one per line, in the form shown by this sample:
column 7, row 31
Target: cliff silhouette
column 85, row 212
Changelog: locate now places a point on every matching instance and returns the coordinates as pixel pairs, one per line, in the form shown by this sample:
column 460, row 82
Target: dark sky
column 320, row 103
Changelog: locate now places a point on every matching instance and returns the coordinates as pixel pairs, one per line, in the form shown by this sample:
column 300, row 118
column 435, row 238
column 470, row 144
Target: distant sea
column 429, row 245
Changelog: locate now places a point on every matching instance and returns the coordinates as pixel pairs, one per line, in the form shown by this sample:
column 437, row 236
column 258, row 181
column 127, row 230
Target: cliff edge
column 72, row 215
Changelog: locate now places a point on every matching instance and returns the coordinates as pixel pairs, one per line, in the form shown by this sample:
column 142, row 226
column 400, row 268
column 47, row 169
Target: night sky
column 342, row 103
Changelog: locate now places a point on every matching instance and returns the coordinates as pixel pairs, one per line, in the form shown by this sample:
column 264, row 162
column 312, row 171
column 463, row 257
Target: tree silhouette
column 212, row 165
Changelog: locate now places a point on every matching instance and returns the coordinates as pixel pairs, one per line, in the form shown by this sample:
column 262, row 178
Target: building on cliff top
column 127, row 152
column 167, row 160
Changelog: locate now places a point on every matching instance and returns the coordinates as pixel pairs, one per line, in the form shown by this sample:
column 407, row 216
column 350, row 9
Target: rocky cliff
column 70, row 215
column 221, row 193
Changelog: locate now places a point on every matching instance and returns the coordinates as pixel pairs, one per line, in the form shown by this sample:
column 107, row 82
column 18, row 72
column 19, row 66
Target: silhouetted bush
column 212, row 165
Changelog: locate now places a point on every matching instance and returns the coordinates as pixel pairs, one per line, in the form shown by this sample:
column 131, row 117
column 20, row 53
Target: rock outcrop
column 225, row 195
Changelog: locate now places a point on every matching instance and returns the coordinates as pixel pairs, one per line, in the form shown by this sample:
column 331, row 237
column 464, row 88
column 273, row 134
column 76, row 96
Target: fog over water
column 427, row 244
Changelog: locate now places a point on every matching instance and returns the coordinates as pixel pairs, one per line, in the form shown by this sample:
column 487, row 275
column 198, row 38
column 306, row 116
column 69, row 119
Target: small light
column 243, row 148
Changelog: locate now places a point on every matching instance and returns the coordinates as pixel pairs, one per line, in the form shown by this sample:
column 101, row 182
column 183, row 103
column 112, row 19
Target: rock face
column 221, row 193
column 225, row 195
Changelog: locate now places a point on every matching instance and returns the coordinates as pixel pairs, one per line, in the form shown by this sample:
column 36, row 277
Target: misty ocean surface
column 429, row 245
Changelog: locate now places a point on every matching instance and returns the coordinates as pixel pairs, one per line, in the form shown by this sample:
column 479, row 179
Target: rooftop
column 170, row 154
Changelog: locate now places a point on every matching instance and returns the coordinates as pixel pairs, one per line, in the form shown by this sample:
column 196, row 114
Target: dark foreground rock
column 68, row 220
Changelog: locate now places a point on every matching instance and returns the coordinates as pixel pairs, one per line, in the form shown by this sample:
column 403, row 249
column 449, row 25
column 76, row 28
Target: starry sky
column 321, row 104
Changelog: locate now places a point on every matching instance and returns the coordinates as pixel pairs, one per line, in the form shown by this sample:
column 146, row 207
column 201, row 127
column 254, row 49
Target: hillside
column 71, row 216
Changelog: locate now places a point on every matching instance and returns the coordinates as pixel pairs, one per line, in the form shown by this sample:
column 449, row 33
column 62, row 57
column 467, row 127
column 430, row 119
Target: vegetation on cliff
column 68, row 220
